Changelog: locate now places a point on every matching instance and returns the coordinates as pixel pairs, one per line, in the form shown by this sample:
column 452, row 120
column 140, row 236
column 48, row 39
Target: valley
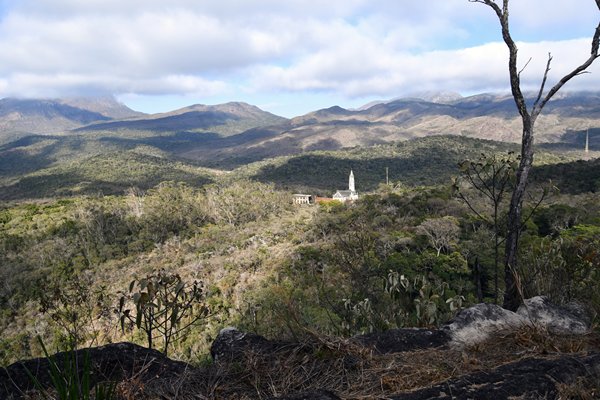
column 108, row 198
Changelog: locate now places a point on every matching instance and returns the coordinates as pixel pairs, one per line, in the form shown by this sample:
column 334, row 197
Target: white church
column 347, row 195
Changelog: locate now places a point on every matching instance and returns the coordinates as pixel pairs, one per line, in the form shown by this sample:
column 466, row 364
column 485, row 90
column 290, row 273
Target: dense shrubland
column 398, row 257
column 42, row 167
column 423, row 161
column 48, row 249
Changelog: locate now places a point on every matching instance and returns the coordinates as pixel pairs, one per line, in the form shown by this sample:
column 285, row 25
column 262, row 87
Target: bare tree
column 441, row 232
column 512, row 299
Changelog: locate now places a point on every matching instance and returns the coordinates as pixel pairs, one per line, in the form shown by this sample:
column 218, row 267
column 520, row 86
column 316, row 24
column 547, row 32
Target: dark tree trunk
column 512, row 299
column 478, row 280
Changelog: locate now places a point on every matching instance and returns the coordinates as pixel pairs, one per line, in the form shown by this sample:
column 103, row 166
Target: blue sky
column 288, row 57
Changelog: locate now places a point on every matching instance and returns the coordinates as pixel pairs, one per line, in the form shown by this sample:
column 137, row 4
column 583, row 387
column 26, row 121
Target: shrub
column 164, row 305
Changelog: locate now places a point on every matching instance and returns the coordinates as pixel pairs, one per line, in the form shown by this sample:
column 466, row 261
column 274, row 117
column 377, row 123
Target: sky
column 288, row 57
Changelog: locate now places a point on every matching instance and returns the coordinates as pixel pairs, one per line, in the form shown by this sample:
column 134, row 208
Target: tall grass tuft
column 68, row 383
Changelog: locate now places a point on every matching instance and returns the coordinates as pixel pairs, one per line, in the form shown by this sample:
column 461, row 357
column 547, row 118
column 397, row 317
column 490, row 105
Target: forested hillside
column 425, row 161
column 408, row 254
column 41, row 167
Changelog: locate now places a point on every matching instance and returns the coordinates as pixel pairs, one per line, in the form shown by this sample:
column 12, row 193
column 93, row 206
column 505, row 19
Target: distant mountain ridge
column 484, row 116
column 232, row 134
column 440, row 97
column 22, row 117
column 223, row 119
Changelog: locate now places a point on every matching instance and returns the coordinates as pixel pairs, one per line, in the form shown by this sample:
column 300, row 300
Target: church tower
column 347, row 195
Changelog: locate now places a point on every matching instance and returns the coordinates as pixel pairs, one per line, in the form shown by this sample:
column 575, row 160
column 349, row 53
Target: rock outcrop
column 400, row 340
column 233, row 345
column 532, row 378
column 434, row 364
column 571, row 319
column 110, row 363
column 478, row 323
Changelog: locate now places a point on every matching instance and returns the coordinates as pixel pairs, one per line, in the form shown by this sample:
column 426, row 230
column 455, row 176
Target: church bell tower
column 351, row 182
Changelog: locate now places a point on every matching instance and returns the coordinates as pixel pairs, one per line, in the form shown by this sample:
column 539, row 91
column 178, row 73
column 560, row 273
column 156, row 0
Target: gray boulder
column 478, row 323
column 571, row 319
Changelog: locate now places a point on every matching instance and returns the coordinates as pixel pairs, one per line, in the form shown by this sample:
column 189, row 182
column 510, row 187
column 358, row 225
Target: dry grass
column 356, row 372
column 581, row 389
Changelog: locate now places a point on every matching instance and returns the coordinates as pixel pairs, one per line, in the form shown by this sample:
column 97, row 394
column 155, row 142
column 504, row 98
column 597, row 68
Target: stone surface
column 526, row 379
column 232, row 344
column 112, row 362
column 160, row 377
column 476, row 324
column 565, row 320
column 310, row 395
column 400, row 340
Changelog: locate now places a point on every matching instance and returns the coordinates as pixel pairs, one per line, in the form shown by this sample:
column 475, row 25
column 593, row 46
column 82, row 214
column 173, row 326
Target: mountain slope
column 485, row 116
column 20, row 117
column 46, row 166
column 223, row 119
column 422, row 161
column 230, row 135
column 106, row 173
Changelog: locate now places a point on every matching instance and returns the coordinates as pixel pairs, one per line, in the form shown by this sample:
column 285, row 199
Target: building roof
column 345, row 193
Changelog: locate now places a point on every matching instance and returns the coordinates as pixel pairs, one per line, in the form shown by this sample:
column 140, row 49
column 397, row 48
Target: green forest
column 85, row 266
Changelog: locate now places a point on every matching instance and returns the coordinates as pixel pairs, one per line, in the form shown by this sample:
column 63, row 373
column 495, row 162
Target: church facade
column 347, row 195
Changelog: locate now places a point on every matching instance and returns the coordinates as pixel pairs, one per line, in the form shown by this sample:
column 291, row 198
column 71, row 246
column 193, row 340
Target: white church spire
column 351, row 182
column 587, row 141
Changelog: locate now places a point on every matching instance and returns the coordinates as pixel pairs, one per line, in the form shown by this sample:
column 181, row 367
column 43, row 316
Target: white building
column 303, row 199
column 347, row 195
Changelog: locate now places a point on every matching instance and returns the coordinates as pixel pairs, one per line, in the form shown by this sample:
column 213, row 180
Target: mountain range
column 234, row 133
column 42, row 138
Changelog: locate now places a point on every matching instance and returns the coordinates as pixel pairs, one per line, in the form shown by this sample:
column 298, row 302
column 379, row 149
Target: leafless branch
column 525, row 66
column 468, row 203
column 493, row 4
column 577, row 71
column 544, row 79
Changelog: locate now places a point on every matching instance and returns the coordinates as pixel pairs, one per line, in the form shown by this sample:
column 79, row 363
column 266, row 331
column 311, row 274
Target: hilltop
column 232, row 134
column 22, row 117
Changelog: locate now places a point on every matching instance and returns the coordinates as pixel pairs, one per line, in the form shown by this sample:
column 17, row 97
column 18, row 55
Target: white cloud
column 374, row 71
column 57, row 85
column 354, row 48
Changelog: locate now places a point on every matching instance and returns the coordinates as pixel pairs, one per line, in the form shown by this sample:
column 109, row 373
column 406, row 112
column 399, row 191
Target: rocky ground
column 540, row 352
